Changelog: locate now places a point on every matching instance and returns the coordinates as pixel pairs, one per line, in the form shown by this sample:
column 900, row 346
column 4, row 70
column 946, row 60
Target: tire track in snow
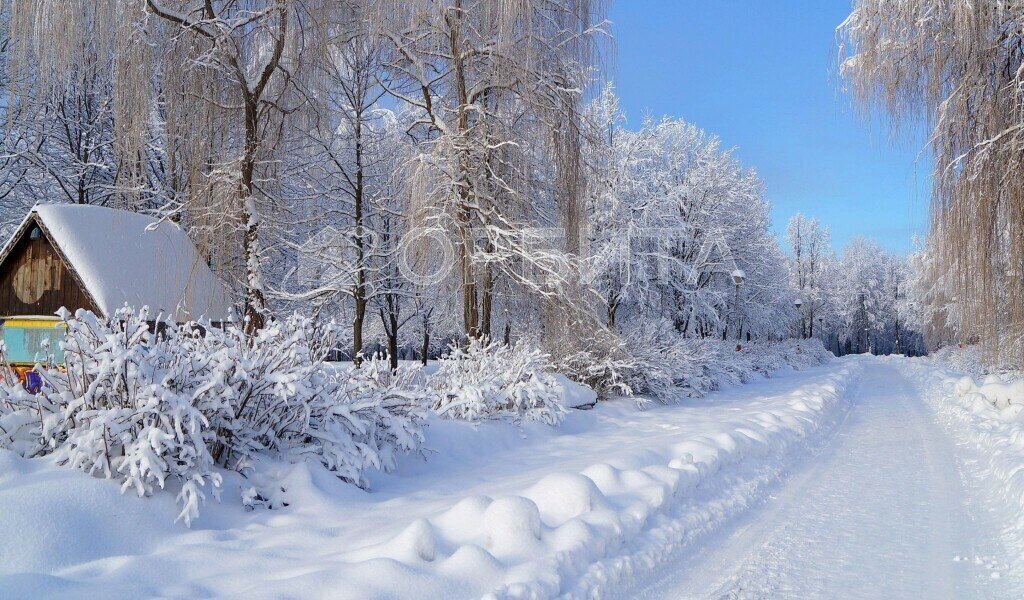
column 714, row 578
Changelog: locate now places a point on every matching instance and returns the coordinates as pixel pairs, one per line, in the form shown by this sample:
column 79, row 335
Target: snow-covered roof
column 123, row 258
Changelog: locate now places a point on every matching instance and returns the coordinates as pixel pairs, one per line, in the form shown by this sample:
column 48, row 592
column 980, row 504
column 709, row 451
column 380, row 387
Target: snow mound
column 1002, row 391
column 965, row 385
column 562, row 496
column 1003, row 394
column 575, row 395
column 512, row 525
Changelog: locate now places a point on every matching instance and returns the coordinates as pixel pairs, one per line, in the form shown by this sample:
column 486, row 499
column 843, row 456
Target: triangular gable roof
column 122, row 257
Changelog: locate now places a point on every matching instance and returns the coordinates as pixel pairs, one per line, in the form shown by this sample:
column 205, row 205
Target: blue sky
column 760, row 74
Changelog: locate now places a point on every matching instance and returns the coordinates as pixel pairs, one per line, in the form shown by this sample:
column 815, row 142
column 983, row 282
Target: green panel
column 25, row 344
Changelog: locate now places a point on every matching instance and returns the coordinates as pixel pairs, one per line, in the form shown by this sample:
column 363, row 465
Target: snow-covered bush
column 669, row 366
column 972, row 359
column 488, row 380
column 665, row 364
column 281, row 399
column 146, row 407
column 603, row 372
column 23, row 416
column 803, row 353
column 368, row 416
column 123, row 409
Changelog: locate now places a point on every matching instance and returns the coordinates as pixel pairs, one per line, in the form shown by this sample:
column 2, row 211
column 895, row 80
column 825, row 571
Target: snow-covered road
column 886, row 510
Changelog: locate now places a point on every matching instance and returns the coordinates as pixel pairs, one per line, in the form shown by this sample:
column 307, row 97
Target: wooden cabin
column 100, row 259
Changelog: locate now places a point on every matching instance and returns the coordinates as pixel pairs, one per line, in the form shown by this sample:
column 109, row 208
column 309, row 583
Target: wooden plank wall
column 35, row 281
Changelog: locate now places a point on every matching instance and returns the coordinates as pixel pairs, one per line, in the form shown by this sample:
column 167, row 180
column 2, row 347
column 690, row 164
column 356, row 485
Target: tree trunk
column 255, row 301
column 470, row 315
column 426, row 345
column 486, row 302
column 393, row 341
column 359, row 293
column 613, row 307
column 357, row 331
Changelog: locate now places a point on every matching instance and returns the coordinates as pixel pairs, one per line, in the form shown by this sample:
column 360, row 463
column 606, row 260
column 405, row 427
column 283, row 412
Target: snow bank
column 984, row 414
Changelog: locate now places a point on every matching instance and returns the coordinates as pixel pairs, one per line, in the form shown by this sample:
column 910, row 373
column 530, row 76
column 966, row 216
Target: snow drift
column 986, row 414
column 570, row 532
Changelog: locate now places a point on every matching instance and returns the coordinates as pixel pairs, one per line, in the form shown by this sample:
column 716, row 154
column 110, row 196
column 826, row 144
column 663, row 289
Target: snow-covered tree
column 673, row 217
column 498, row 87
column 956, row 65
column 811, row 271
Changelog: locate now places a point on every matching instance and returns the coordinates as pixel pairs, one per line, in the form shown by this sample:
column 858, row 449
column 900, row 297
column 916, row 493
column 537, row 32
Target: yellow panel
column 32, row 322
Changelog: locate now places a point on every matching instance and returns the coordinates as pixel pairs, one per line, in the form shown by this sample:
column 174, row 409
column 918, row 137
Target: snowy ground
column 888, row 509
column 840, row 481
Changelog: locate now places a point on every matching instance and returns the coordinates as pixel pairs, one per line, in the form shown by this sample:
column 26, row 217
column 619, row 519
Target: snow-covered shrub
column 665, row 364
column 488, row 380
column 971, row 359
column 603, row 372
column 23, row 416
column 366, row 418
column 598, row 359
column 801, row 354
column 146, row 407
column 669, row 366
column 261, row 386
column 764, row 359
column 120, row 410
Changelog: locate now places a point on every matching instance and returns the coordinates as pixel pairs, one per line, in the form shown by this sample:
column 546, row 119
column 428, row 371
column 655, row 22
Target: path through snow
column 886, row 511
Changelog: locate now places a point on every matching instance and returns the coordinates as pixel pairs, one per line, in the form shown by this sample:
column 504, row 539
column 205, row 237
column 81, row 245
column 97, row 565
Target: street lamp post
column 738, row 276
column 798, row 303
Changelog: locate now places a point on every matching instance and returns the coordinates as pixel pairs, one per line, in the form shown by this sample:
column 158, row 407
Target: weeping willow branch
column 959, row 66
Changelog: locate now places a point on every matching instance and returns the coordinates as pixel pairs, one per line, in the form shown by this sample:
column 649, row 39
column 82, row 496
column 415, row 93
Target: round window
column 29, row 282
